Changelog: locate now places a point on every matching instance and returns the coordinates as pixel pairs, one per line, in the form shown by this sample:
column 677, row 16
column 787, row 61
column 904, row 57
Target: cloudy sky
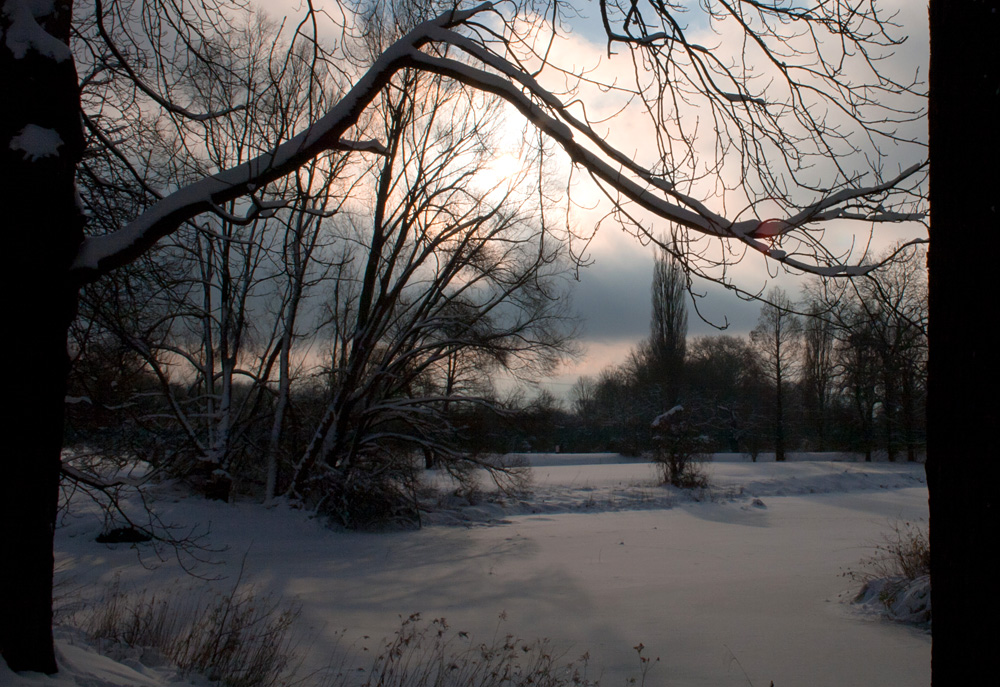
column 612, row 294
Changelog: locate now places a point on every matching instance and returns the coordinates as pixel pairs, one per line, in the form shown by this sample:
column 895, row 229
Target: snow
column 26, row 34
column 666, row 417
column 899, row 598
column 742, row 581
column 37, row 142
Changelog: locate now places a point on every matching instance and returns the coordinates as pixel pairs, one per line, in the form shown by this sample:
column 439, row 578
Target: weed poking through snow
column 430, row 654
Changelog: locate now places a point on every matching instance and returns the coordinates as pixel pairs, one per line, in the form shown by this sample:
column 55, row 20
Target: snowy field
column 740, row 584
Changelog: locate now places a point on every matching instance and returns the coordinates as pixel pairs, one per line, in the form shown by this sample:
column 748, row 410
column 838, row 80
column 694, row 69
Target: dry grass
column 242, row 640
column 430, row 654
column 239, row 639
column 905, row 552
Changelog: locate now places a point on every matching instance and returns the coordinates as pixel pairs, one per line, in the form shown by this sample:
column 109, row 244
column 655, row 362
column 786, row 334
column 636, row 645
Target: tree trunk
column 962, row 466
column 40, row 144
column 890, row 381
column 281, row 404
column 779, row 421
column 909, row 412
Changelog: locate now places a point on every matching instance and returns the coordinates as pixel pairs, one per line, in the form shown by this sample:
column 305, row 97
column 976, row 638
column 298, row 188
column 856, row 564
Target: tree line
column 843, row 368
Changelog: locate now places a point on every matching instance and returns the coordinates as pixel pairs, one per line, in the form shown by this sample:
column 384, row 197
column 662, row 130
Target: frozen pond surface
column 746, row 576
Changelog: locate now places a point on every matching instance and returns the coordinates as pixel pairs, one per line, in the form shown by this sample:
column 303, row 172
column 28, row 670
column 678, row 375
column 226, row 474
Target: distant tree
column 585, row 414
column 582, row 396
column 858, row 368
column 727, row 382
column 777, row 339
column 624, row 410
column 879, row 323
column 818, row 369
column 542, row 420
column 668, row 326
column 895, row 304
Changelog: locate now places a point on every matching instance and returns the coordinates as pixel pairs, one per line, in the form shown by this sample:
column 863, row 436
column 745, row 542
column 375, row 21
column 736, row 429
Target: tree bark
column 962, row 465
column 41, row 142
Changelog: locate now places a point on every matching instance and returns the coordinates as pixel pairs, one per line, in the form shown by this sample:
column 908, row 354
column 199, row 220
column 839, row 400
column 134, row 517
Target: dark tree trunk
column 889, row 413
column 779, row 422
column 40, row 146
column 962, row 465
column 909, row 412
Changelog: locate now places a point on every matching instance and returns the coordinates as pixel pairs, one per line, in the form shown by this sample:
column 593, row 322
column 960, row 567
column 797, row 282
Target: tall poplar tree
column 668, row 325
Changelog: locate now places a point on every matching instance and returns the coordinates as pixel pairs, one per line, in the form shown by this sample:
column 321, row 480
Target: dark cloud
column 613, row 296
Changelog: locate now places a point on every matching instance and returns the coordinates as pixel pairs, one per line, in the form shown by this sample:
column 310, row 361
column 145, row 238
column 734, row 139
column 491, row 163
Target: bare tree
column 728, row 385
column 445, row 270
column 621, row 410
column 777, row 338
column 859, row 375
column 879, row 324
column 818, row 368
column 895, row 303
column 651, row 376
column 582, row 397
column 221, row 298
column 770, row 140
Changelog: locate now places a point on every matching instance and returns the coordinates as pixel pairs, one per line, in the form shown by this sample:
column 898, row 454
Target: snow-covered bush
column 899, row 598
column 680, row 450
column 371, row 494
column 896, row 578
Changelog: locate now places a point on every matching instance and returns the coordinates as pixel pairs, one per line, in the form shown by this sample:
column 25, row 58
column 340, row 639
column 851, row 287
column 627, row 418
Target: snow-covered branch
column 99, row 254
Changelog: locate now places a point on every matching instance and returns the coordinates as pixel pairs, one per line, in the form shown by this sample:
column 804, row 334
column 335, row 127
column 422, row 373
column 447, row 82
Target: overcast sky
column 612, row 295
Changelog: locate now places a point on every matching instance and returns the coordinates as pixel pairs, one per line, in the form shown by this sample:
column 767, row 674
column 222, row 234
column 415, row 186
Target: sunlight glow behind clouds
column 613, row 293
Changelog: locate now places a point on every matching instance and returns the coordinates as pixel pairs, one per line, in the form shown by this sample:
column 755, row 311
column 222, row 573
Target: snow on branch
column 100, row 254
column 26, row 33
column 369, row 146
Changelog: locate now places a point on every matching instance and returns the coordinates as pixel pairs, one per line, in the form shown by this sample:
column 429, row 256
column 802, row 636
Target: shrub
column 679, row 452
column 897, row 576
column 372, row 501
column 371, row 498
column 904, row 553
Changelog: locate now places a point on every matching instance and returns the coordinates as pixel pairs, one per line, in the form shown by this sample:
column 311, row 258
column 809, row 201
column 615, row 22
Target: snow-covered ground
column 740, row 584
